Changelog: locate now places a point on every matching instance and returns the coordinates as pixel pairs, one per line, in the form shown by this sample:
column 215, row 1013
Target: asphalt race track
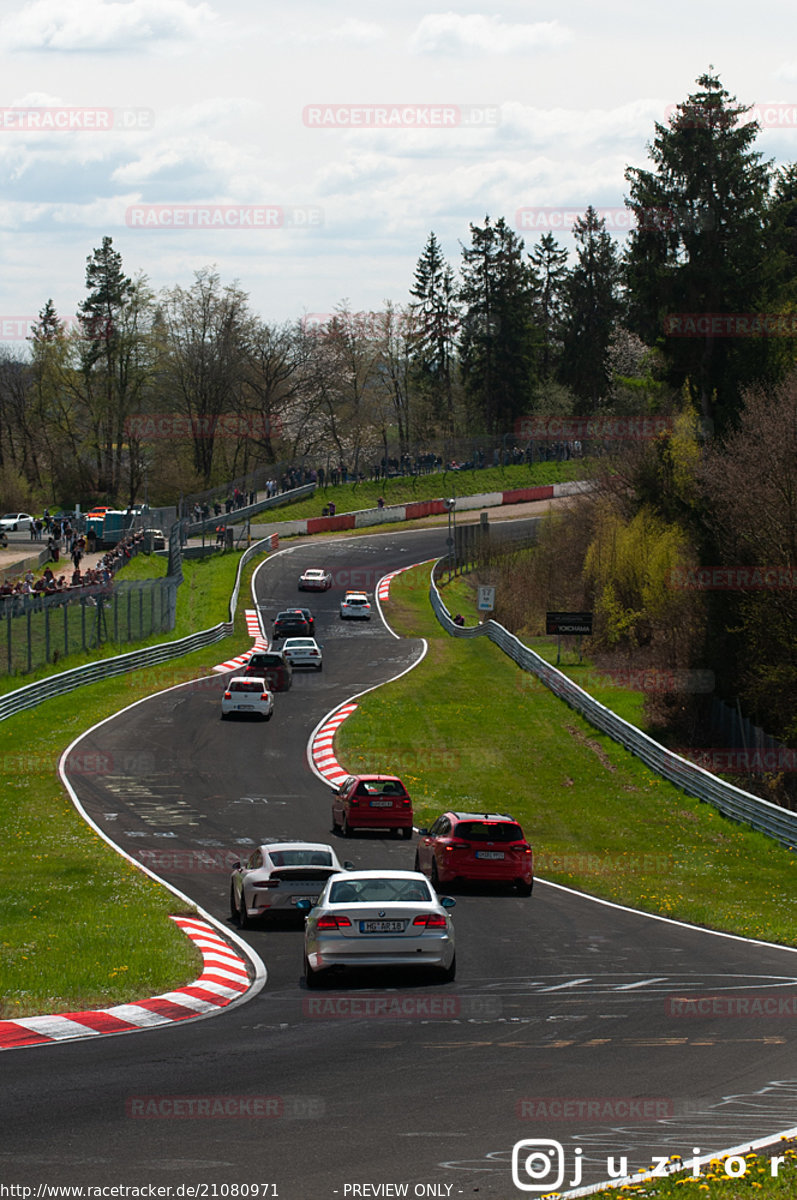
column 561, row 1026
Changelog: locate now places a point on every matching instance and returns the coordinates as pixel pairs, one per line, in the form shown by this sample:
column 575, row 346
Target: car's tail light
column 266, row 883
column 431, row 921
column 264, row 696
column 454, row 844
column 332, row 922
column 354, row 802
column 405, row 803
column 228, row 695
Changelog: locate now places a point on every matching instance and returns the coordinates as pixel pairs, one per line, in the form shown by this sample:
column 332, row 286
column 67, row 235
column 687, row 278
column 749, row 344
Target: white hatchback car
column 303, row 652
column 247, row 694
column 315, row 579
column 355, row 604
column 378, row 919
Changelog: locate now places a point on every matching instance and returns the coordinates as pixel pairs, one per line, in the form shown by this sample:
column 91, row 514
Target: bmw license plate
column 489, row 854
column 382, row 926
column 381, row 803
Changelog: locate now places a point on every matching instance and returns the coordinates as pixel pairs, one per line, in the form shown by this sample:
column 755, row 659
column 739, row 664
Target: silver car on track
column 378, row 919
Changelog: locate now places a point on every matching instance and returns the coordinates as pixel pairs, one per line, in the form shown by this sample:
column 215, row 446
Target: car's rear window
column 246, row 685
column 379, row 891
column 488, row 831
column 300, row 858
column 380, row 787
column 265, row 660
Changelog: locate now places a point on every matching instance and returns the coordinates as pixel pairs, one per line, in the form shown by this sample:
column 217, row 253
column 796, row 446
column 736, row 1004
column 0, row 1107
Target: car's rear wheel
column 345, row 827
column 522, row 888
column 269, row 715
column 233, row 905
column 435, row 876
column 449, row 974
column 406, row 832
column 335, row 823
column 417, row 864
column 311, row 978
column 320, row 666
column 224, row 716
column 244, row 920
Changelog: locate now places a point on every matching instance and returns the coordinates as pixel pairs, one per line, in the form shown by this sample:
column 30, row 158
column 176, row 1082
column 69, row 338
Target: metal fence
column 66, row 681
column 37, row 630
column 762, row 815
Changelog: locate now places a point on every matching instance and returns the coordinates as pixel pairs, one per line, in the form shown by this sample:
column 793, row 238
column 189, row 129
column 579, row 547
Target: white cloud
column 351, row 33
column 94, row 25
column 453, row 33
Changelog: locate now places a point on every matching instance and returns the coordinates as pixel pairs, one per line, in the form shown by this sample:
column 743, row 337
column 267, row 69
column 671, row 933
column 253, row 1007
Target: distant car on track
column 482, row 847
column 355, row 604
column 279, row 874
column 273, row 666
column 372, row 802
column 293, row 622
column 315, row 580
column 377, row 919
column 248, row 695
column 303, row 652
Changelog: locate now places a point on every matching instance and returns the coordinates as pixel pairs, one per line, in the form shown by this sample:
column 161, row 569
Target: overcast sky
column 307, row 150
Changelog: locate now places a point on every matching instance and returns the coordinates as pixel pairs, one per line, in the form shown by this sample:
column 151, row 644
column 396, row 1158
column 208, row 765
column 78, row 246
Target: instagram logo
column 538, row 1165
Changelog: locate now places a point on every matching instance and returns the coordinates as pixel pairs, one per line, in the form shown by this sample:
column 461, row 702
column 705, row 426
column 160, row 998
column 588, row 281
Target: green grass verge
column 721, row 1179
column 79, row 926
column 349, row 497
column 488, row 736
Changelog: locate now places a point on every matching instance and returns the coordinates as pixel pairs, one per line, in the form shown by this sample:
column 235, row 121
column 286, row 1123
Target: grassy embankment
column 79, row 926
column 487, row 736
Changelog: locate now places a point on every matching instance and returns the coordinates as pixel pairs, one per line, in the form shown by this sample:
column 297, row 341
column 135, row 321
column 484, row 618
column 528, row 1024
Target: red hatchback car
column 372, row 802
column 484, row 847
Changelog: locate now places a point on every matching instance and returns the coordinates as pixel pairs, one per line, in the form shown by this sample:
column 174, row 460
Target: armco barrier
column 762, row 815
column 67, row 681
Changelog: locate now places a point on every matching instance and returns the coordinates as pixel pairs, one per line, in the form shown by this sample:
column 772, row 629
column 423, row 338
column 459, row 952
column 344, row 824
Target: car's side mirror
column 349, row 866
column 236, row 866
column 304, row 904
column 446, row 901
column 423, row 832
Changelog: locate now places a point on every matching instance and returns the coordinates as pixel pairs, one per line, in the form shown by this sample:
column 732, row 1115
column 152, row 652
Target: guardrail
column 762, row 815
column 66, row 681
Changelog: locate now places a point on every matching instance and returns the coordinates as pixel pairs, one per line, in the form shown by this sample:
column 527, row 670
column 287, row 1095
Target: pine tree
column 592, row 307
column 499, row 336
column 435, row 317
column 699, row 246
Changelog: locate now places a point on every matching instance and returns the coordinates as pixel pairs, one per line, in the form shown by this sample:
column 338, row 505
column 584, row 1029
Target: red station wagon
column 372, row 802
column 485, row 847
